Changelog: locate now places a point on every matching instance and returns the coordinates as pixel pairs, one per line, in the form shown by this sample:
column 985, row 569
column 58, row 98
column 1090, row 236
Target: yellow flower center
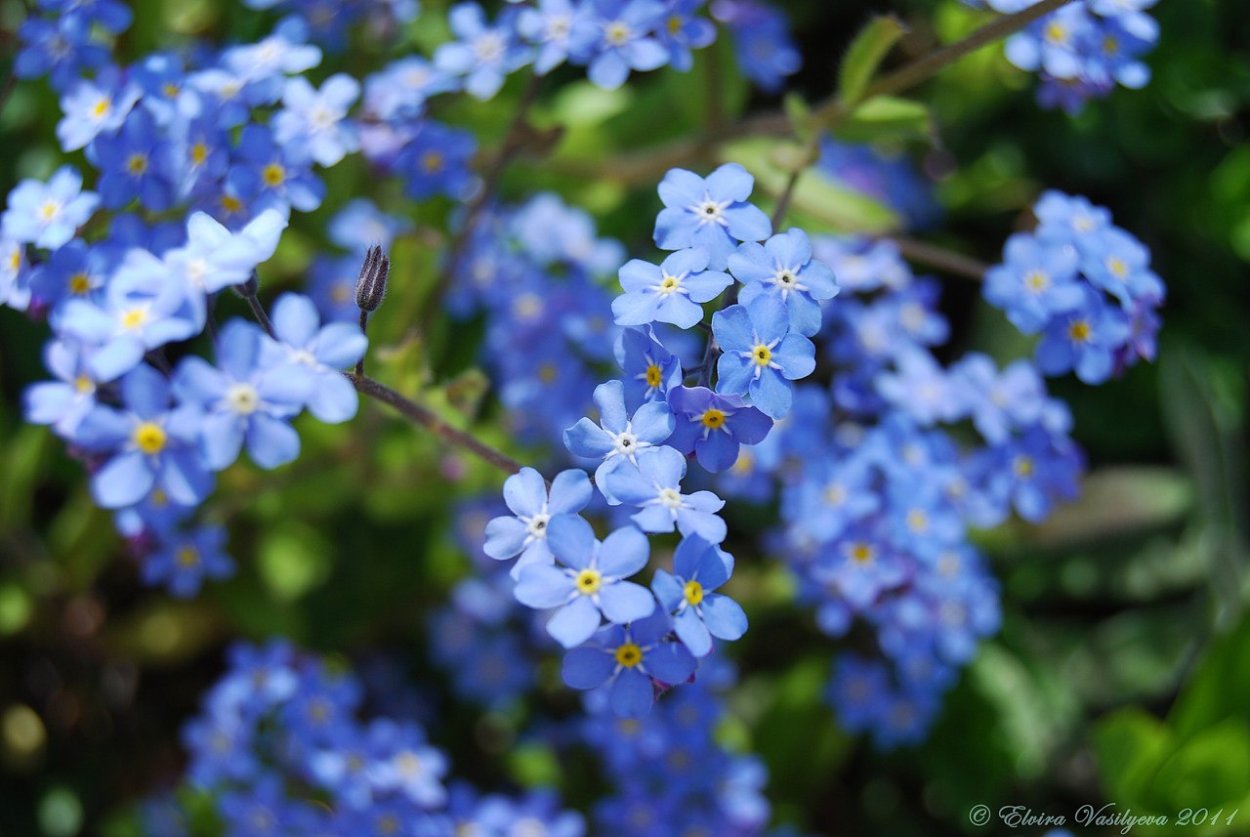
column 137, row 164
column 188, row 557
column 1023, row 466
column 588, row 582
column 79, row 284
column 618, row 33
column 231, row 204
column 917, row 521
column 149, row 437
column 674, row 25
column 49, row 210
column 861, row 553
column 1037, row 281
column 694, row 593
column 1117, row 267
column 547, row 373
column 134, row 318
column 101, row 108
column 199, row 153
column 273, row 174
column 745, row 463
column 628, row 655
column 170, row 89
column 432, row 162
column 762, row 355
column 83, row 384
column 1080, row 331
column 653, row 376
column 669, row 285
column 713, row 419
column 1057, row 33
column 1110, row 45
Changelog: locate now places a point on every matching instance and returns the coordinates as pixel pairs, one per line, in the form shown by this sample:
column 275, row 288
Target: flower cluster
column 1085, row 285
column 1083, row 50
column 280, row 743
column 622, row 637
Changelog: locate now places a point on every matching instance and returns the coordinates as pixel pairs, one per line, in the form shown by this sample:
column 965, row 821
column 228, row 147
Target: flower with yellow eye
column 182, row 563
column 713, row 427
column 650, row 370
column 628, row 660
column 783, row 267
column 151, row 445
column 689, row 594
column 759, row 354
column 588, row 581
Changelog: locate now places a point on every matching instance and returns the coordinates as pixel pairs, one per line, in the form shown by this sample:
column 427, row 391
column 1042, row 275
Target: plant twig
column 945, row 260
column 427, row 418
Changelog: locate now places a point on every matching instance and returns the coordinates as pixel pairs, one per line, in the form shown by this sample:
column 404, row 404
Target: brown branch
column 945, row 260
column 427, row 418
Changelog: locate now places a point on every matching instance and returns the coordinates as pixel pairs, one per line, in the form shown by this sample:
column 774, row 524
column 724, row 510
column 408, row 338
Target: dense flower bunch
column 280, row 736
column 1084, row 49
column 1085, row 285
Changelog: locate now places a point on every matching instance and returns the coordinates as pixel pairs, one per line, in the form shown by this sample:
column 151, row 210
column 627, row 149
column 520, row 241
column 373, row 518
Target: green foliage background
column 1121, row 674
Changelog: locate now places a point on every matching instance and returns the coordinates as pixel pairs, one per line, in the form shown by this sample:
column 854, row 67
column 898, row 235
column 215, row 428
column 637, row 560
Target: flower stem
column 427, row 418
column 945, row 260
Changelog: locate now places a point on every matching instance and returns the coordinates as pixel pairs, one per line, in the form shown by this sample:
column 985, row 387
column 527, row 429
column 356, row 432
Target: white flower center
column 488, row 48
column 242, row 399
column 670, row 498
column 709, row 211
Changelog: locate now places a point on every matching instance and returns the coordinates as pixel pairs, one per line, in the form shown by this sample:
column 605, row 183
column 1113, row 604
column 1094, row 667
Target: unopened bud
column 371, row 284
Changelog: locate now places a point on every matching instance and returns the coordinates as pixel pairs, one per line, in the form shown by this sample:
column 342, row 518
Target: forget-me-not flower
column 699, row 613
column 673, row 292
column 760, row 356
column 712, row 213
column 534, row 506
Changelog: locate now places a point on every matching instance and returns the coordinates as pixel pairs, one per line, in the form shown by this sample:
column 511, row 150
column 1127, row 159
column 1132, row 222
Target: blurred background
column 1122, row 672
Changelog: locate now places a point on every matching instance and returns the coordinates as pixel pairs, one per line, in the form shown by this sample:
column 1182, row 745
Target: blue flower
column 437, row 162
column 484, row 54
column 1085, row 339
column 270, row 171
column 48, row 214
column 590, row 582
column 64, row 402
column 404, row 763
column 401, row 89
column 560, row 29
column 860, row 569
column 72, row 271
column 668, row 293
column 151, row 445
column 62, row 48
column 766, row 52
column 683, row 30
column 626, row 659
column 318, row 353
column 1000, row 402
column 759, row 354
column 360, row 225
column 712, row 213
column 783, row 267
column 314, row 120
column 619, row 438
column 1120, row 264
column 248, row 398
column 655, row 487
column 712, row 427
column 625, row 40
column 91, row 109
column 699, row 613
column 1036, row 280
column 129, row 165
column 183, row 563
column 527, row 496
column 650, row 369
column 140, row 311
column 112, row 15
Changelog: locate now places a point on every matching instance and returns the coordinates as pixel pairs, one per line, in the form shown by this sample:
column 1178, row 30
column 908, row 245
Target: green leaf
column 886, row 118
column 1130, row 745
column 292, row 560
column 864, row 55
column 799, row 112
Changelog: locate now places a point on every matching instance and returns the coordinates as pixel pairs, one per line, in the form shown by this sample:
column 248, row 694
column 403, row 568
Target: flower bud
column 371, row 284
